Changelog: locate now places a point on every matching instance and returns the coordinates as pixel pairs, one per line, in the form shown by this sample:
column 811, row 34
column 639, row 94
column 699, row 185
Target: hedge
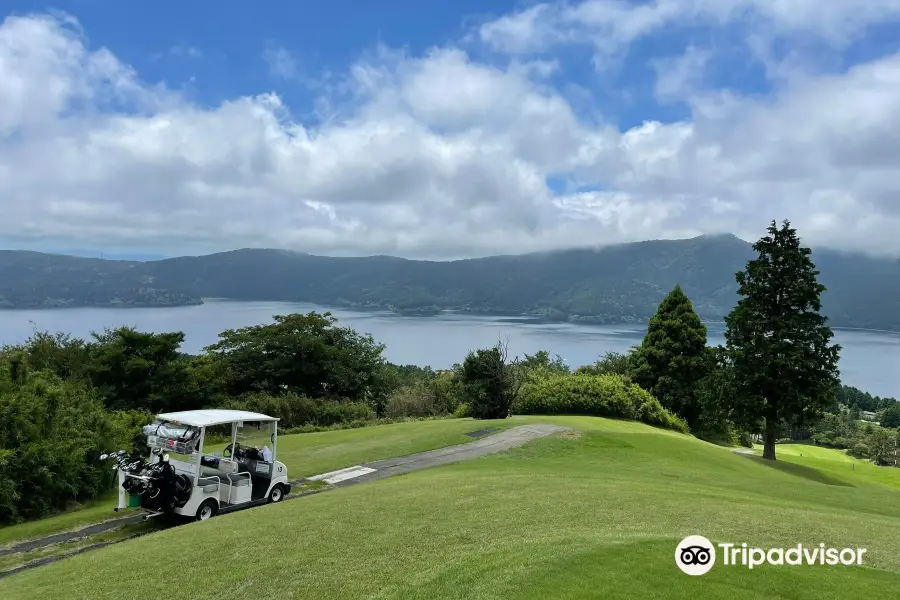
column 595, row 395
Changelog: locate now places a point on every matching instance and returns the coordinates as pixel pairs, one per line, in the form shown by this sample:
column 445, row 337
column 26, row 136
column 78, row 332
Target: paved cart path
column 491, row 444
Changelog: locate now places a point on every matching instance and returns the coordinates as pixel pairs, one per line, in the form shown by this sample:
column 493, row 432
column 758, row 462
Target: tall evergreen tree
column 785, row 369
column 673, row 358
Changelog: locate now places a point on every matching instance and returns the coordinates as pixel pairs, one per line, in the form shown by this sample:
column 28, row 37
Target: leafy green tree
column 883, row 447
column 714, row 394
column 779, row 344
column 854, row 412
column 489, row 382
column 60, row 353
column 541, row 364
column 133, row 369
column 51, row 435
column 673, row 358
column 891, row 416
column 304, row 353
column 612, row 363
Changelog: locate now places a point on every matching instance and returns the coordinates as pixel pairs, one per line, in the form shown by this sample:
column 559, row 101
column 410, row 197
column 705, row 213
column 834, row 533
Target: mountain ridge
column 619, row 283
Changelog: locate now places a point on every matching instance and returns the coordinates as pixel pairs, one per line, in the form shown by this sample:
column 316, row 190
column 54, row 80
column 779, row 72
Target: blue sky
column 446, row 129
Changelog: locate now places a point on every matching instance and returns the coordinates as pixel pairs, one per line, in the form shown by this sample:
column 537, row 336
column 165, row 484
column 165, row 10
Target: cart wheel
column 207, row 510
column 277, row 493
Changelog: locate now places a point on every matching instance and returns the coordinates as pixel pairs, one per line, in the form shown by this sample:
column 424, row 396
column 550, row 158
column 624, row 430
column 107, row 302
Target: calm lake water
column 870, row 360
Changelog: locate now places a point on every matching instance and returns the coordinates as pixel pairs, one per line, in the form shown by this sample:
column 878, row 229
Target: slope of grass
column 304, row 454
column 91, row 512
column 313, row 453
column 590, row 516
column 836, row 463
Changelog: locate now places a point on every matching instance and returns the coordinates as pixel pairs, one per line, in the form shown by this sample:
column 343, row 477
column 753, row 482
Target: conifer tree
column 785, row 368
column 673, row 357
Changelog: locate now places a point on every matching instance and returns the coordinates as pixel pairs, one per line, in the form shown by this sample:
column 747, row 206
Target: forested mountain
column 617, row 283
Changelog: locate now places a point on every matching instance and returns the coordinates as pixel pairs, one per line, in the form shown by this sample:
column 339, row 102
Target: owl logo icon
column 695, row 555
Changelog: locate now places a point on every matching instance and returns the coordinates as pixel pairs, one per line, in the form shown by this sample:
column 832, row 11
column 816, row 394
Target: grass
column 12, row 561
column 313, row 453
column 590, row 516
column 95, row 511
column 835, row 463
column 303, row 454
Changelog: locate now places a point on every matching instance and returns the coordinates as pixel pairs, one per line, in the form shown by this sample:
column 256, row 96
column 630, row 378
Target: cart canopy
column 208, row 418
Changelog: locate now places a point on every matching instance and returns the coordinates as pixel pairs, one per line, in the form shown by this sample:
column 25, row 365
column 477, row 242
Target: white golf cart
column 204, row 462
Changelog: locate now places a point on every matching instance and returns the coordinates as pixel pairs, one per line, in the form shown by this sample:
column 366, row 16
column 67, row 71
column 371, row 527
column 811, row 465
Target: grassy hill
column 617, row 283
column 591, row 514
column 303, row 454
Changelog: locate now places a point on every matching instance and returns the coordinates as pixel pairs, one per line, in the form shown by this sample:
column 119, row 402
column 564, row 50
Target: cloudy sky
column 451, row 129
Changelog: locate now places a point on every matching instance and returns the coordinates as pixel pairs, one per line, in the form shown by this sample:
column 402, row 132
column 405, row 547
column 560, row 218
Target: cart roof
column 207, row 418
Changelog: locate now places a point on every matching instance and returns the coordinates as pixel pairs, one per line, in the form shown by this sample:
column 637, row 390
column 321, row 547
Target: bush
column 745, row 440
column 859, row 450
column 489, row 383
column 295, row 410
column 52, row 433
column 596, row 395
column 462, row 411
column 416, row 400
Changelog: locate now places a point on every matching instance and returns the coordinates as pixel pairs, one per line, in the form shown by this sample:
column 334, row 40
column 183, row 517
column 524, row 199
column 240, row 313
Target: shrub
column 745, row 440
column 489, row 383
column 52, row 433
column 415, row 400
column 462, row 411
column 447, row 391
column 859, row 450
column 597, row 395
column 295, row 410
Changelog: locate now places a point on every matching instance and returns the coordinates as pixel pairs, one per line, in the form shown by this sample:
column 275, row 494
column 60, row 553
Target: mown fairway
column 303, row 454
column 596, row 515
column 836, row 463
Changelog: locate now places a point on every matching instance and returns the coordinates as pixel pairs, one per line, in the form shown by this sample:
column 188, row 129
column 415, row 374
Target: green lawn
column 836, row 463
column 303, row 454
column 592, row 516
column 313, row 453
column 92, row 512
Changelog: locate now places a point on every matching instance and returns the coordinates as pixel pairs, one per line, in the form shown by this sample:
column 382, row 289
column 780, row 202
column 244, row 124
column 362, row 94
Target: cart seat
column 207, row 480
column 211, row 476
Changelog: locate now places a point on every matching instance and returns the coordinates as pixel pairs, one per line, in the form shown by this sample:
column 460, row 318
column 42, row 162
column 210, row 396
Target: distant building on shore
column 868, row 416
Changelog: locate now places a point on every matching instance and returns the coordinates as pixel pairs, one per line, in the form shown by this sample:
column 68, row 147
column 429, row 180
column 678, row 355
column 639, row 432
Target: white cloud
column 281, row 62
column 612, row 25
column 435, row 155
column 677, row 78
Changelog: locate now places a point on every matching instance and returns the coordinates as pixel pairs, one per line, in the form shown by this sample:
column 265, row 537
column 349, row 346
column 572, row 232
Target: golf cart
column 203, row 462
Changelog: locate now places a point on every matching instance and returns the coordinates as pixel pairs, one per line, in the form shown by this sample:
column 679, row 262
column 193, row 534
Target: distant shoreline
column 420, row 314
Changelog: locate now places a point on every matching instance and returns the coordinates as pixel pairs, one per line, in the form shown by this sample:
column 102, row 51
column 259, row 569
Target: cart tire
column 277, row 493
column 207, row 510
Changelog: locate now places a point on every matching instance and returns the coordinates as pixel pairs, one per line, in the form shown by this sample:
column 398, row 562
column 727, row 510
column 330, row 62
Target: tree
column 673, row 357
column 785, row 369
column 883, row 447
column 51, row 435
column 891, row 416
column 133, row 369
column 489, row 383
column 714, row 394
column 542, row 364
column 612, row 363
column 304, row 353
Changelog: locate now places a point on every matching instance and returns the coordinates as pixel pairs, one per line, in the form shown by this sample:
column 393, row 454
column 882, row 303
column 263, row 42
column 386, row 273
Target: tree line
column 65, row 400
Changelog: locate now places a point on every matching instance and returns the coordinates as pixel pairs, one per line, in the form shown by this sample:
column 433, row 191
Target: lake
column 869, row 360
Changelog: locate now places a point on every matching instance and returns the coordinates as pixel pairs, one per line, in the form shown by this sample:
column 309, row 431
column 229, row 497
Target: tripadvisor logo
column 696, row 555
